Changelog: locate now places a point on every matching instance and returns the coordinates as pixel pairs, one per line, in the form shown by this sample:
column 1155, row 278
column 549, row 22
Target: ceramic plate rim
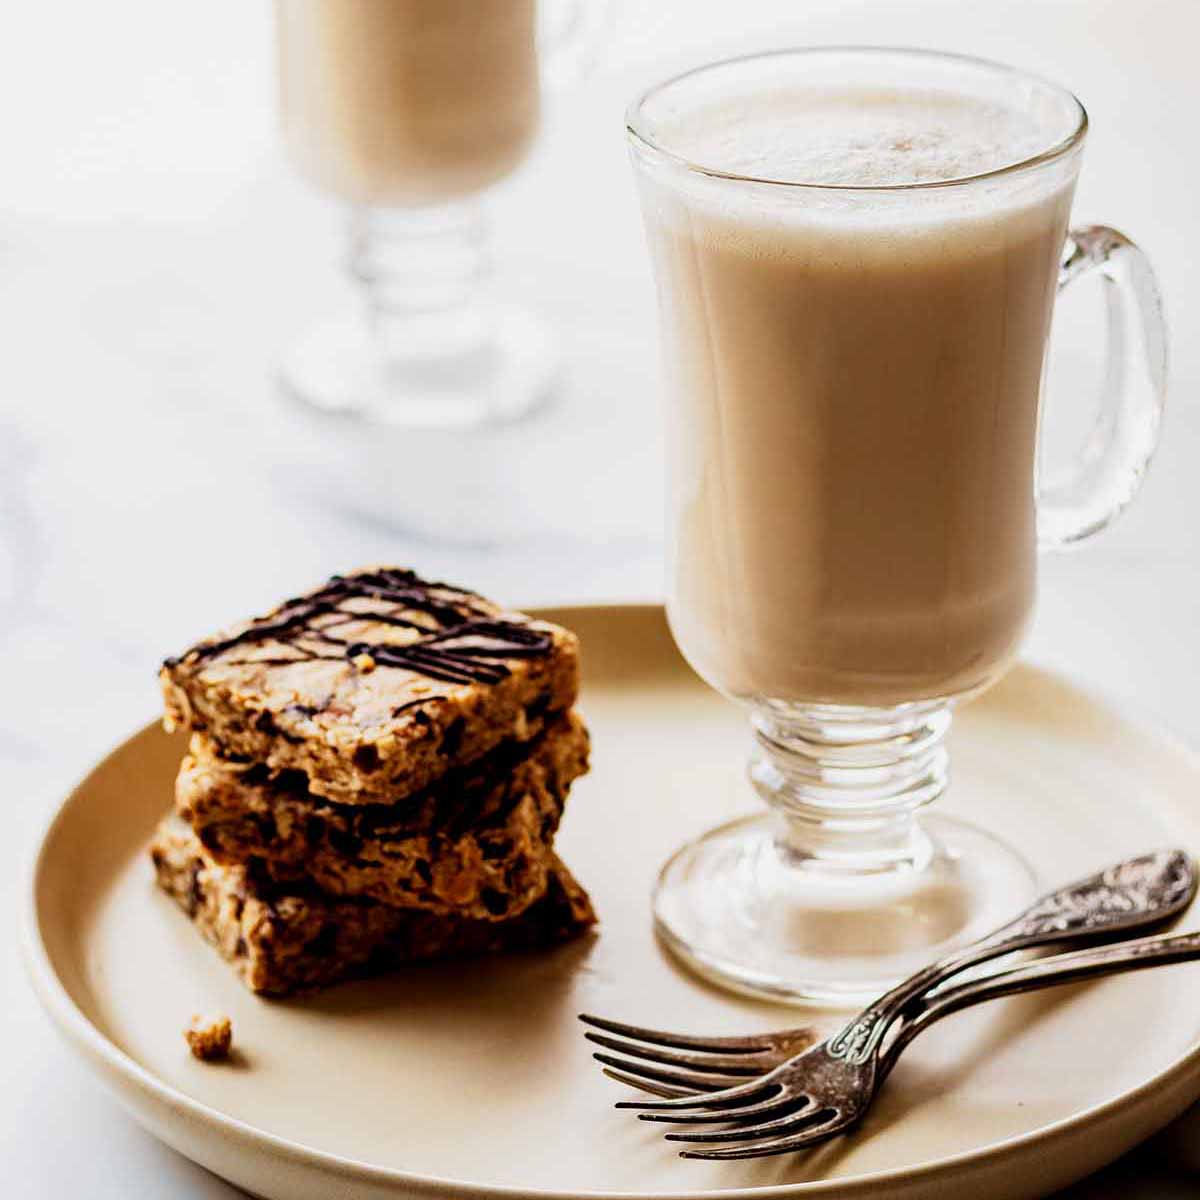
column 102, row 1053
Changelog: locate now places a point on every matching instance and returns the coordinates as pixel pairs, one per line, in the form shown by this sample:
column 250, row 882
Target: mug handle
column 1107, row 473
column 571, row 35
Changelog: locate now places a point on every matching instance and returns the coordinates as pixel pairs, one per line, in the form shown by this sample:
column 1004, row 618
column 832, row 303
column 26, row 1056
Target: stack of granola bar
column 375, row 776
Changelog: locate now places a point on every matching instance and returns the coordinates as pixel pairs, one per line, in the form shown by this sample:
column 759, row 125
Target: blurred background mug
column 408, row 110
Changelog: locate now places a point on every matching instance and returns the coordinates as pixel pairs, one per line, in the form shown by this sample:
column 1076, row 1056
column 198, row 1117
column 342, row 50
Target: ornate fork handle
column 1133, row 894
column 1061, row 969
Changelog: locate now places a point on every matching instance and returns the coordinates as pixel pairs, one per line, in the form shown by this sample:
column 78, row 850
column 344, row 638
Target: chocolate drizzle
column 462, row 640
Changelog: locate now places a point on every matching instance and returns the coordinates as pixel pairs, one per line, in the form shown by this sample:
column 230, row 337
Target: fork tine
column 731, row 1096
column 783, row 1145
column 803, row 1118
column 688, row 1079
column 647, row 1085
column 679, row 1041
column 746, row 1112
column 729, row 1064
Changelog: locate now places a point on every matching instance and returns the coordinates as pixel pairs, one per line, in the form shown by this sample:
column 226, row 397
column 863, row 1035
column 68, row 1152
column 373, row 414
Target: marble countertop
column 156, row 255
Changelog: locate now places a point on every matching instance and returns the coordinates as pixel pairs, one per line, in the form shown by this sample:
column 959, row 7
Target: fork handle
column 1137, row 955
column 1136, row 894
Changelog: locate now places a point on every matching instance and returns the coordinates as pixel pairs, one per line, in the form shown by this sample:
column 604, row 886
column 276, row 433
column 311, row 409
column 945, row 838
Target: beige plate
column 476, row 1081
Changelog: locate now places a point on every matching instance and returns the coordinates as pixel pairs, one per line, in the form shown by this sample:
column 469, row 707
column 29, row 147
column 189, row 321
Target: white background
column 156, row 256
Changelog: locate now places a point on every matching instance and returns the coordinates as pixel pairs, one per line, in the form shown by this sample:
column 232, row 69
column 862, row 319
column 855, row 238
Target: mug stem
column 844, row 887
column 847, row 783
column 423, row 276
column 430, row 348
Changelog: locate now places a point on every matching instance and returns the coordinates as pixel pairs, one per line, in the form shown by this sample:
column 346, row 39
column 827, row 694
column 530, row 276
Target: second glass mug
column 854, row 375
column 409, row 110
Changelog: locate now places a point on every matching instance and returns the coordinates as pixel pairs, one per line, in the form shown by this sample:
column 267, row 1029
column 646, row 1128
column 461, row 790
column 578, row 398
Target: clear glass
column 854, row 376
column 408, row 110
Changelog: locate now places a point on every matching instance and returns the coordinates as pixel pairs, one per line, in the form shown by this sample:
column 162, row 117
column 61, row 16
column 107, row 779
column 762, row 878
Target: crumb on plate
column 209, row 1037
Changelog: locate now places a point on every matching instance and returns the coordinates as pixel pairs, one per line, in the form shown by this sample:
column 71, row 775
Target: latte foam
column 853, row 137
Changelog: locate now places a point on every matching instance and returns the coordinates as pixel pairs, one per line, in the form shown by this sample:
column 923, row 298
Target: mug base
column 450, row 375
column 738, row 909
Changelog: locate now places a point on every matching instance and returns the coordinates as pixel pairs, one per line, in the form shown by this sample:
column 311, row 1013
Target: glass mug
column 854, row 372
column 408, row 110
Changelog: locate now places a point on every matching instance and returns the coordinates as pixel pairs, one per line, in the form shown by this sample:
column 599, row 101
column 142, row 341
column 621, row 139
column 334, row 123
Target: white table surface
column 155, row 255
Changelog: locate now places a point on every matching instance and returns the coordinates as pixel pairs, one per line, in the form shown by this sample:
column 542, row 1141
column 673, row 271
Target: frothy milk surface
column 855, row 137
column 853, row 386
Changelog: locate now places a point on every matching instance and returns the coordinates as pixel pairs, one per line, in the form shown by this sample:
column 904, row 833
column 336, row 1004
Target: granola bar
column 475, row 843
column 373, row 684
column 282, row 941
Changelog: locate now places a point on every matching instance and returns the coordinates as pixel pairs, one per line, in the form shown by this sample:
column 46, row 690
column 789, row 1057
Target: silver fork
column 785, row 1135
column 826, row 1088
